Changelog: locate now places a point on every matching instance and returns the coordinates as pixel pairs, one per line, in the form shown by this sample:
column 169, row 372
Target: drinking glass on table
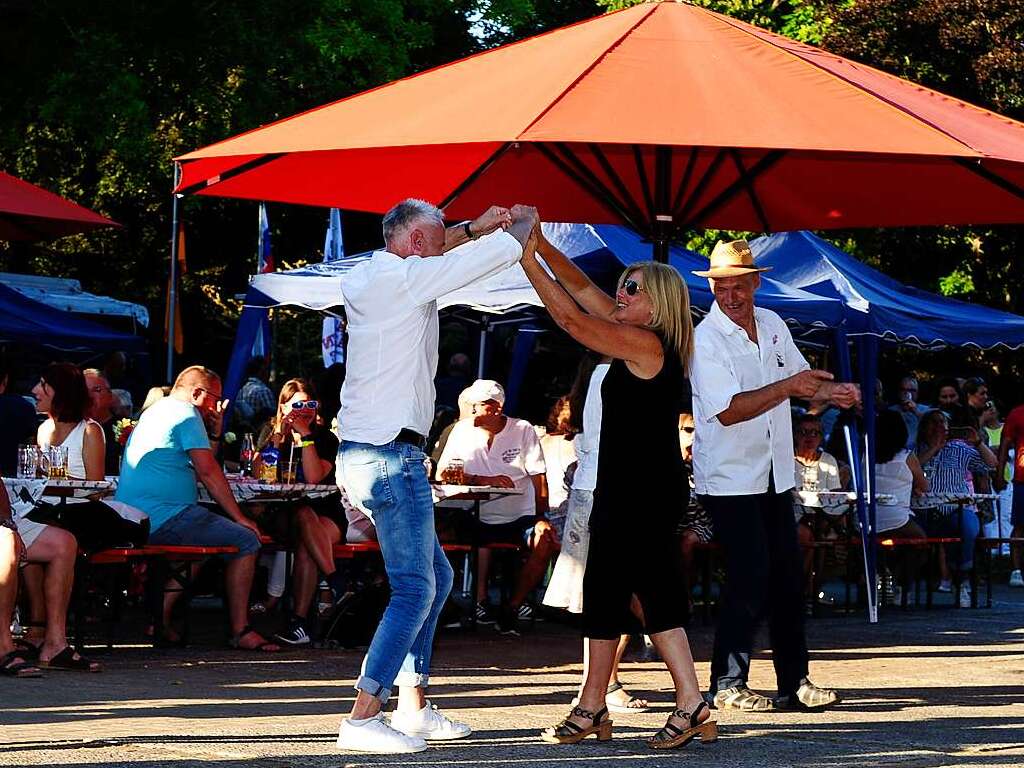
column 28, row 462
column 454, row 473
column 58, row 465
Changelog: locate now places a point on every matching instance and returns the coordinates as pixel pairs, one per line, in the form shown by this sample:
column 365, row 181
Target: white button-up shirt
column 736, row 460
column 391, row 306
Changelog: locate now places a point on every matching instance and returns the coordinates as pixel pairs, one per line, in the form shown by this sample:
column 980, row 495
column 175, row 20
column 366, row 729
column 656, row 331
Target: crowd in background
column 957, row 444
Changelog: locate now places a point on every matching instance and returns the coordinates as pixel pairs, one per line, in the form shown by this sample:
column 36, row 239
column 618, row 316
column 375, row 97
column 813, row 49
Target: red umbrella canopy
column 28, row 212
column 664, row 116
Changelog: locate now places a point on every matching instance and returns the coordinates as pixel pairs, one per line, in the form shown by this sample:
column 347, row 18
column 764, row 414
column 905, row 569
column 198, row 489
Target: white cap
column 482, row 390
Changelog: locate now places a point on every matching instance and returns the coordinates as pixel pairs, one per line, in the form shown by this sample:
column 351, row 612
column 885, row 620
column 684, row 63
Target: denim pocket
column 366, row 482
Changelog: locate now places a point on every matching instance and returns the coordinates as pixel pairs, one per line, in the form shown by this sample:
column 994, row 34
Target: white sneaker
column 1015, row 579
column 965, row 596
column 375, row 735
column 429, row 724
column 945, row 585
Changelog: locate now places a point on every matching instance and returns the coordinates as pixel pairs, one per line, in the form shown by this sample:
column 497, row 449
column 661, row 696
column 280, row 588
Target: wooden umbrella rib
column 599, row 193
column 762, row 165
column 620, row 186
column 755, row 203
column 974, row 166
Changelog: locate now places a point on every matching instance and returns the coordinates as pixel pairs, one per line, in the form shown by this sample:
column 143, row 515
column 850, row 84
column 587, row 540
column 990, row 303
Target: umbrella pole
column 172, row 297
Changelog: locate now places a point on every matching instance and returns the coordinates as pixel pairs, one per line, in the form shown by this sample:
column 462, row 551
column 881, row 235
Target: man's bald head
column 196, row 376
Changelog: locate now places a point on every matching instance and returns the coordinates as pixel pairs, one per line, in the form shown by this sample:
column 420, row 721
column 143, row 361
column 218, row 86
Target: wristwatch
column 469, row 232
column 9, row 523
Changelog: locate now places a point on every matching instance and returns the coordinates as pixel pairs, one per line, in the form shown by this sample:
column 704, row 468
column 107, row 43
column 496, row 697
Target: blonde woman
column 647, row 332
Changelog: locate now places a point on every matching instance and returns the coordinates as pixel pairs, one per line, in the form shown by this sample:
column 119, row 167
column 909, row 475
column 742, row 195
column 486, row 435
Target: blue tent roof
column 879, row 305
column 812, row 314
column 25, row 320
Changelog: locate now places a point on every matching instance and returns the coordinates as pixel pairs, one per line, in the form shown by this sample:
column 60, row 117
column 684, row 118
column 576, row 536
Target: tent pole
column 662, row 202
column 172, row 298
column 484, row 327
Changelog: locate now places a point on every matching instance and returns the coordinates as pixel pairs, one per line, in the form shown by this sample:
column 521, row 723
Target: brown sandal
column 672, row 736
column 568, row 732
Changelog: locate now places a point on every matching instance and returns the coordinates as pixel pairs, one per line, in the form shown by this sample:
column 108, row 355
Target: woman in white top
column 565, row 590
column 898, row 473
column 61, row 394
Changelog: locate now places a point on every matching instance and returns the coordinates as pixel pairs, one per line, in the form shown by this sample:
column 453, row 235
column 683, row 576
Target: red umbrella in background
column 28, row 212
column 664, row 116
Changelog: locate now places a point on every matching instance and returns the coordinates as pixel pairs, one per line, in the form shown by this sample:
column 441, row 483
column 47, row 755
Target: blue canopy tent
column 879, row 309
column 881, row 306
column 25, row 320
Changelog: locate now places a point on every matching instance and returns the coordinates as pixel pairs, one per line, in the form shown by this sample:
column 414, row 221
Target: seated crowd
column 959, row 446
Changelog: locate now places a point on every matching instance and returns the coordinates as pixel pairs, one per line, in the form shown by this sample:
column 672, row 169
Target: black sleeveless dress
column 642, row 491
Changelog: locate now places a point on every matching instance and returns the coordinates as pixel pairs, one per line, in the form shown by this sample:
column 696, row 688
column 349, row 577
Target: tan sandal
column 671, row 736
column 568, row 732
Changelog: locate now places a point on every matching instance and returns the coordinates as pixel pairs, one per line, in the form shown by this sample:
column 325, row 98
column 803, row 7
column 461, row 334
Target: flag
column 264, row 264
column 179, row 335
column 333, row 337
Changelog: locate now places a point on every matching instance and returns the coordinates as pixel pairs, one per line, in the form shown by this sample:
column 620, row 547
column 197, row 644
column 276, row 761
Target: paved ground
column 922, row 690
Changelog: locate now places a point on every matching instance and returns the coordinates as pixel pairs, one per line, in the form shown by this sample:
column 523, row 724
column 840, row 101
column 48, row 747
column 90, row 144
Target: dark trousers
column 764, row 577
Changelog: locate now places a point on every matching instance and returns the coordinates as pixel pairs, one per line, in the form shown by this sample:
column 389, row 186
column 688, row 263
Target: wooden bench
column 175, row 563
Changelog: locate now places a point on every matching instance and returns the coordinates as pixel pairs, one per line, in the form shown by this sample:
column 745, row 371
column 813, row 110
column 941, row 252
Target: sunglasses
column 632, row 287
column 311, row 405
column 809, row 432
column 687, row 430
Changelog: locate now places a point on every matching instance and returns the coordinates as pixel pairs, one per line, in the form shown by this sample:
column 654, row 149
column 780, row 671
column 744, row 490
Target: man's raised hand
column 494, row 218
column 524, row 219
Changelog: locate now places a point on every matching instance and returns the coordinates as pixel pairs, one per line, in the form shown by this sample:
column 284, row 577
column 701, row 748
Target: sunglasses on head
column 311, row 405
column 632, row 287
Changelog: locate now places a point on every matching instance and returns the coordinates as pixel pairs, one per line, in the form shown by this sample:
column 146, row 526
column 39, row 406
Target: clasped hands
column 819, row 387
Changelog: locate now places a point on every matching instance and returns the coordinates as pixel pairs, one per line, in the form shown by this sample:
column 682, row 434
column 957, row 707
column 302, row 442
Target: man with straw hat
column 745, row 370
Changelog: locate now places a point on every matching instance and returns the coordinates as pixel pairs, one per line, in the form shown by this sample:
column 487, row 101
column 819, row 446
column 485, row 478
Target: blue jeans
column 197, row 526
column 389, row 482
column 967, row 527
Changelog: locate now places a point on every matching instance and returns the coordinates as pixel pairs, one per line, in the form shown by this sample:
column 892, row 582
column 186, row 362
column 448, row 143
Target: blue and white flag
column 333, row 336
column 264, row 263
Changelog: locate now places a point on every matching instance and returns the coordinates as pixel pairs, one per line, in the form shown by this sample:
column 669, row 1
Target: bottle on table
column 246, row 455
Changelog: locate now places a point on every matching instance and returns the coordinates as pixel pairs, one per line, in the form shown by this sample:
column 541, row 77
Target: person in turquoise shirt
column 167, row 452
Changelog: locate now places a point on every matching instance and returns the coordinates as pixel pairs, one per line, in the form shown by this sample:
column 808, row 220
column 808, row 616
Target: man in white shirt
column 745, row 369
column 498, row 450
column 387, row 408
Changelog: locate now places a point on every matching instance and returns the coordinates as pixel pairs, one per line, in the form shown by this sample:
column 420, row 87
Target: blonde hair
column 670, row 300
column 288, row 391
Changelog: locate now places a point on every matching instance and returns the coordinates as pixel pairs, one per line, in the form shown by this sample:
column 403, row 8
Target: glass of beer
column 455, row 472
column 58, row 466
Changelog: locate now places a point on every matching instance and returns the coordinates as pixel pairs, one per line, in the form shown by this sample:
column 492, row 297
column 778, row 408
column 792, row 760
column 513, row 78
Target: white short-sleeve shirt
column 515, row 452
column 736, row 460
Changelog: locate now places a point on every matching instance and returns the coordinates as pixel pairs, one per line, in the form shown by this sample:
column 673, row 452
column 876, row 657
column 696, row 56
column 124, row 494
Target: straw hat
column 731, row 259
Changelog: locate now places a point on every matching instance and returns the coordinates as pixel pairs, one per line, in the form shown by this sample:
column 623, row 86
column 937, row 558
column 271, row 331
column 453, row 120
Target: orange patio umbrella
column 28, row 212
column 664, row 116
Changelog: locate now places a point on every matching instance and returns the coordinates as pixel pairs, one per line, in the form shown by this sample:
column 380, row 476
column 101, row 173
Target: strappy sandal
column 14, row 664
column 742, row 698
column 671, row 736
column 568, row 732
column 265, row 647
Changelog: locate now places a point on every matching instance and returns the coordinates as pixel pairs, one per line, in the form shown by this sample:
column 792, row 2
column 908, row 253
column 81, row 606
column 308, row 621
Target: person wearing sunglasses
column 745, row 370
column 646, row 331
column 309, row 527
